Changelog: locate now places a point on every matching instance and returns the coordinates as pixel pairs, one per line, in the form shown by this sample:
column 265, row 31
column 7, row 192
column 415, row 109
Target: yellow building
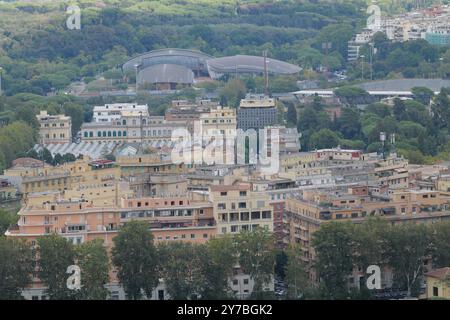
column 82, row 178
column 238, row 208
column 54, row 128
column 443, row 183
column 438, row 283
column 218, row 133
column 157, row 163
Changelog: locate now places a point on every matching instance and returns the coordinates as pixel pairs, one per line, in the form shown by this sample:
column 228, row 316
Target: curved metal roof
column 166, row 73
column 249, row 64
column 188, row 58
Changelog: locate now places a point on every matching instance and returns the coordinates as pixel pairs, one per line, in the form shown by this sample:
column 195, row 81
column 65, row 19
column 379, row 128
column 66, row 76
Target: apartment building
column 54, row 128
column 237, row 207
column 392, row 172
column 115, row 111
column 96, row 180
column 308, row 209
column 79, row 220
column 7, row 191
column 256, row 112
column 158, row 185
column 157, row 163
column 218, row 121
column 132, row 126
column 278, row 190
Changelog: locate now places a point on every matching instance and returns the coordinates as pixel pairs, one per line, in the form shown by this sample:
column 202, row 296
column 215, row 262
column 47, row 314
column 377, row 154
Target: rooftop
column 442, row 273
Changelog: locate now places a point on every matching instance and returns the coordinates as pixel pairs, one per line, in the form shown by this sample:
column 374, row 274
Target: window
column 234, row 228
column 266, row 215
column 235, row 282
column 223, row 194
column 245, row 216
column 435, row 291
column 242, row 205
column 243, row 193
column 245, row 281
column 192, row 236
column 256, row 215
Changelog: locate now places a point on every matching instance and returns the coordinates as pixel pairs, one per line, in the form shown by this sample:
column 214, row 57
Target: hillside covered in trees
column 40, row 57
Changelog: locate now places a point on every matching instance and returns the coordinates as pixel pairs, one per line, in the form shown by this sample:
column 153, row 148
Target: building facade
column 54, row 128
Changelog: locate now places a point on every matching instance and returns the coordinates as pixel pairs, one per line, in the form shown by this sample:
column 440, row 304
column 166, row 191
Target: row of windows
column 156, row 213
column 245, row 216
column 53, row 125
column 220, row 121
column 183, row 236
column 241, row 193
column 149, row 133
column 61, row 135
column 246, row 227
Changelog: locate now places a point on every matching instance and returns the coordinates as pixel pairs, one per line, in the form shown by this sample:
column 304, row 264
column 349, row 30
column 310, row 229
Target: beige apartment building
column 54, row 128
column 237, row 207
column 306, row 211
column 83, row 176
column 78, row 220
column 156, row 163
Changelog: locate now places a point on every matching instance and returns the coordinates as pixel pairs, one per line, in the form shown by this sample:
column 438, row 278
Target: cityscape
column 225, row 151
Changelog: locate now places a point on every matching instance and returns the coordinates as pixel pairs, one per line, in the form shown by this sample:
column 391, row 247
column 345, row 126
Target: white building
column 114, row 111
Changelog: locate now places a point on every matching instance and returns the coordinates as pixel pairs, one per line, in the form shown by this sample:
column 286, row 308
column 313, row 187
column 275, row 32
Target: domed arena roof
column 166, row 73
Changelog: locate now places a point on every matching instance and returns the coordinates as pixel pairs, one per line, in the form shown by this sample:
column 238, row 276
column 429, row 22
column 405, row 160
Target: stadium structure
column 243, row 64
column 168, row 68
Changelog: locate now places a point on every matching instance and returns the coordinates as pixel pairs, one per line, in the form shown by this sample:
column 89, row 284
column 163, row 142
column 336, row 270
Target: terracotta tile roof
column 238, row 187
column 441, row 273
column 26, row 162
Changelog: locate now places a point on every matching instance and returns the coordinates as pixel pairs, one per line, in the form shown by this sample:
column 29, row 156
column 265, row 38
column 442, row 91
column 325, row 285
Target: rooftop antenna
column 383, row 139
column 266, row 76
column 393, row 142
